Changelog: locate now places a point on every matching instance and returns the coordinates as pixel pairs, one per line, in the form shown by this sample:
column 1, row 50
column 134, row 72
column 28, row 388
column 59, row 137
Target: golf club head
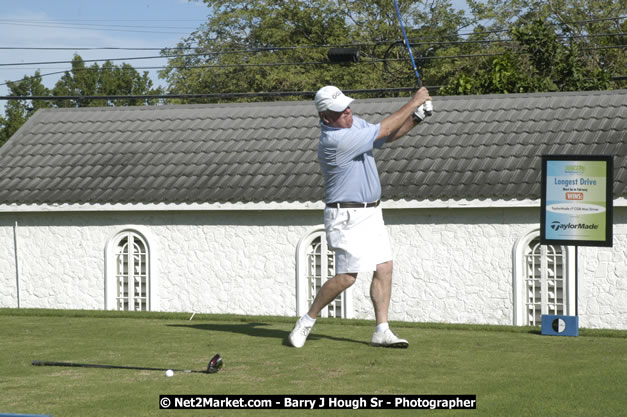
column 215, row 364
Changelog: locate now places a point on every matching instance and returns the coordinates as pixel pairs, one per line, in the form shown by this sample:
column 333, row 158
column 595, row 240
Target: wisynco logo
column 558, row 226
column 574, row 169
column 574, row 196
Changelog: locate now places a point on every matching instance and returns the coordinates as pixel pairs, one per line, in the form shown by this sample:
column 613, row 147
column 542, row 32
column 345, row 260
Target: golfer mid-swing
column 353, row 217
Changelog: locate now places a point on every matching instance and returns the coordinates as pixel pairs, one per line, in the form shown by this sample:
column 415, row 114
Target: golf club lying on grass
column 214, row 366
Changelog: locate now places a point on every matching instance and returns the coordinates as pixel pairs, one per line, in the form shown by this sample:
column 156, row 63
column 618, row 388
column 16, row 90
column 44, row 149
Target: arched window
column 543, row 280
column 315, row 264
column 128, row 280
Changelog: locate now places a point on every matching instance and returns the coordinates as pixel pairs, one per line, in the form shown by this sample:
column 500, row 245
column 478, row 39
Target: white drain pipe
column 17, row 268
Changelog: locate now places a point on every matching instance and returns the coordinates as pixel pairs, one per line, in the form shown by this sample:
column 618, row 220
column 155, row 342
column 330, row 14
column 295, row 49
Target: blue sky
column 80, row 23
column 92, row 23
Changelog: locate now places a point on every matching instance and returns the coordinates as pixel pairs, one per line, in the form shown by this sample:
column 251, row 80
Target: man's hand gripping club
column 423, row 111
column 403, row 120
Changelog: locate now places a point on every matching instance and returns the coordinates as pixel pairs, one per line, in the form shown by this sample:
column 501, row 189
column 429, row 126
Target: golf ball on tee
column 169, row 372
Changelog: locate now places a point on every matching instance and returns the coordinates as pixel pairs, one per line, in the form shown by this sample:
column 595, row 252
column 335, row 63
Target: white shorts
column 359, row 238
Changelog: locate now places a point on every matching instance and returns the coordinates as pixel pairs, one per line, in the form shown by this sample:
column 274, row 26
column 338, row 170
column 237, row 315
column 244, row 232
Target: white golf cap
column 331, row 98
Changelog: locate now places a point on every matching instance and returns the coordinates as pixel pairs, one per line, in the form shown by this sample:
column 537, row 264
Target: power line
column 272, row 49
column 267, row 49
column 420, row 42
column 91, row 60
column 270, row 65
column 284, row 64
column 106, row 20
column 83, row 48
column 209, row 95
column 50, row 23
column 413, row 42
column 106, row 28
column 217, row 96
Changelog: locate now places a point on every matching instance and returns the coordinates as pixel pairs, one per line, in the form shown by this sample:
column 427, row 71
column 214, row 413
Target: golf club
column 428, row 106
column 214, row 366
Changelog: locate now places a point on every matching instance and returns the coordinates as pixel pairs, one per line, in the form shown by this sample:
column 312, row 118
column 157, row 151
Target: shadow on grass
column 258, row 330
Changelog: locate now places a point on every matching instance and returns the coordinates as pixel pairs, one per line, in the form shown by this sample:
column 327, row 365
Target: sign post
column 576, row 210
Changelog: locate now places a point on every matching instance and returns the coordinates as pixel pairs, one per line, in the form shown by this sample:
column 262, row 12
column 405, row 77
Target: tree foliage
column 282, row 45
column 17, row 112
column 107, row 80
column 80, row 81
column 513, row 46
column 497, row 46
column 555, row 45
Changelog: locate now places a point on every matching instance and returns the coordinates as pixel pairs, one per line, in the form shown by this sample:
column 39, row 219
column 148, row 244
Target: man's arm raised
column 401, row 121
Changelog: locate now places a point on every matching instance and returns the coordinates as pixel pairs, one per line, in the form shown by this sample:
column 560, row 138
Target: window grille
column 132, row 280
column 545, row 281
column 320, row 268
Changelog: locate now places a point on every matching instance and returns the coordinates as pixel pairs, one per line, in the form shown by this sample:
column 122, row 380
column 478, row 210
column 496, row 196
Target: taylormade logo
column 557, row 226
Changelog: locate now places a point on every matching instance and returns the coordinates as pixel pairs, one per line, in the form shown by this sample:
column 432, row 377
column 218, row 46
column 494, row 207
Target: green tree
column 537, row 60
column 81, row 81
column 108, row 80
column 554, row 45
column 282, row 45
column 17, row 112
column 515, row 46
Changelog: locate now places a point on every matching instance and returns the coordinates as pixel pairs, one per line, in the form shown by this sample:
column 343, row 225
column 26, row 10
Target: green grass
column 513, row 371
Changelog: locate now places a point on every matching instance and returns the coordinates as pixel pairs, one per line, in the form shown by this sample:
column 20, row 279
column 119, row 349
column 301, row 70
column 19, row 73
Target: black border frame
column 609, row 197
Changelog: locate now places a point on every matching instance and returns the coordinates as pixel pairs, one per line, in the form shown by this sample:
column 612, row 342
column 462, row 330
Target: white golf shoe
column 387, row 338
column 299, row 334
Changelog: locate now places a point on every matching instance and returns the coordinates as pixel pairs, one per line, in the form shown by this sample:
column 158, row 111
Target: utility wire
column 94, row 27
column 283, row 64
column 108, row 20
column 68, row 23
column 256, row 50
column 420, row 41
column 84, row 48
column 50, row 23
column 209, row 95
column 96, row 60
column 413, row 42
column 274, row 49
column 218, row 96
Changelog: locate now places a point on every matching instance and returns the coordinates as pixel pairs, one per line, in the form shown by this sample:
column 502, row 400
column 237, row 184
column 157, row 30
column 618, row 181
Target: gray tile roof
column 473, row 147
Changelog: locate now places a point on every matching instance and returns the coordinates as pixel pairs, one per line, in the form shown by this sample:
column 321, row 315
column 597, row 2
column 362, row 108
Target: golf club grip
column 47, row 363
column 81, row 365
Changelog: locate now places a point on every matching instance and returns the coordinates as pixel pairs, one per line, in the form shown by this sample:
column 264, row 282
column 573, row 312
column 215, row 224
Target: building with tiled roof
column 220, row 208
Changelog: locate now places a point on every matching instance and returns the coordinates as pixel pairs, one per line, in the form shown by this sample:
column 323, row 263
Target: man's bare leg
column 329, row 292
column 381, row 291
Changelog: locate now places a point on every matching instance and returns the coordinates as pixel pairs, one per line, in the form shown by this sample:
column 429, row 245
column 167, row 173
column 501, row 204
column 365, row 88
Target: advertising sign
column 577, row 200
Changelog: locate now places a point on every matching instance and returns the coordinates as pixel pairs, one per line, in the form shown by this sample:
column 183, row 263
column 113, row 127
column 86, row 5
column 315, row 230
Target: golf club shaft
column 87, row 365
column 411, row 55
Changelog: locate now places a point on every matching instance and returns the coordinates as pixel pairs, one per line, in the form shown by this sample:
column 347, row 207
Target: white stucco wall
column 603, row 282
column 205, row 262
column 451, row 265
column 8, row 285
column 456, row 265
